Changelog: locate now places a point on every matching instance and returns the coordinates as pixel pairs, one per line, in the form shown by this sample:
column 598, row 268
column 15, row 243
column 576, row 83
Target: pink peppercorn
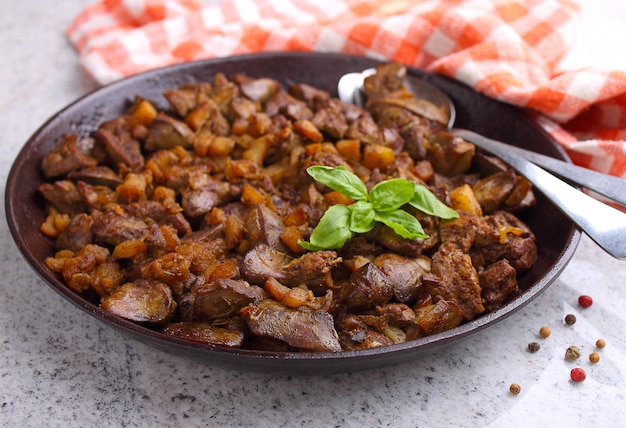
column 577, row 374
column 585, row 301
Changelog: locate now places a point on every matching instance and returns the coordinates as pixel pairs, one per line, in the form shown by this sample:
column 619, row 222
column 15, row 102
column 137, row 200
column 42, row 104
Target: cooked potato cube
column 378, row 156
column 129, row 249
column 308, row 130
column 142, row 112
column 462, row 198
column 252, row 196
column 350, row 149
column 133, row 188
column 258, row 150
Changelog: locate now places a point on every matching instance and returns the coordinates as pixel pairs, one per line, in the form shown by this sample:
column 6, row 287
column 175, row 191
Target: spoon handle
column 602, row 223
column 612, row 187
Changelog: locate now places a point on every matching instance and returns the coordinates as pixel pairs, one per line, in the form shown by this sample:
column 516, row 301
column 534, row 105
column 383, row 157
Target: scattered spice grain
column 570, row 319
column 544, row 331
column 600, row 343
column 533, row 347
column 594, row 357
column 572, row 353
column 515, row 388
column 585, row 301
column 577, row 374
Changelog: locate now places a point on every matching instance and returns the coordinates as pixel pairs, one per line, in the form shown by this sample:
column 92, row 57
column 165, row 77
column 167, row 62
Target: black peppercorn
column 570, row 319
column 533, row 346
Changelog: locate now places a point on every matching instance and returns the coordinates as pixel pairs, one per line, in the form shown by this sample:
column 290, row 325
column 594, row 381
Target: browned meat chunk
column 205, row 333
column 219, row 300
column 64, row 196
column 96, row 197
column 184, row 99
column 311, row 269
column 302, row 328
column 208, row 117
column 173, row 269
column 77, row 234
column 354, row 334
column 462, row 232
column 437, row 318
column 397, row 314
column 314, row 97
column 522, row 197
column 167, row 132
column 359, row 246
column 388, row 79
column 242, row 107
column 143, row 301
column 119, row 144
column 97, row 176
column 498, row 281
column 450, row 155
column 391, row 320
column 389, row 239
column 522, row 253
column 264, row 226
column 365, row 129
column 111, row 228
column 493, row 190
column 331, row 122
column 206, row 247
column 505, row 237
column 404, row 274
column 414, row 134
column 257, row 89
column 367, row 287
column 290, row 107
column 263, row 262
column 454, row 279
column 197, row 203
column 65, row 158
column 161, row 213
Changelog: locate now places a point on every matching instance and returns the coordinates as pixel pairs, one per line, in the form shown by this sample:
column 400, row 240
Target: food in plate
column 196, row 221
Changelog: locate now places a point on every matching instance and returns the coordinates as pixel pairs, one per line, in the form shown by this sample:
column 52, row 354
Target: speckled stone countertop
column 61, row 367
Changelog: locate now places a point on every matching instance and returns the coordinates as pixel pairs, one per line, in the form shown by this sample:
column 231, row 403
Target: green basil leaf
column 391, row 194
column 403, row 223
column 332, row 231
column 424, row 200
column 341, row 180
column 362, row 219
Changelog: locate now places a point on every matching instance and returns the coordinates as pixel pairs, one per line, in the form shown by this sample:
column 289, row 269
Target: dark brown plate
column 557, row 236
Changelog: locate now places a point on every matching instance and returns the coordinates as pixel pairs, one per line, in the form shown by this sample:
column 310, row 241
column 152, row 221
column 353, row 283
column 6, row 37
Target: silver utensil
column 602, row 223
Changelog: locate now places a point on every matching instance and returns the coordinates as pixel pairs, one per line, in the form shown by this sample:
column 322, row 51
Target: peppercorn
column 600, row 343
column 544, row 331
column 577, row 374
column 515, row 388
column 533, row 347
column 594, row 357
column 572, row 353
column 570, row 319
column 585, row 301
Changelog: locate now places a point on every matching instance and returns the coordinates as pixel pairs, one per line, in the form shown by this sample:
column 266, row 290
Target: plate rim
column 264, row 361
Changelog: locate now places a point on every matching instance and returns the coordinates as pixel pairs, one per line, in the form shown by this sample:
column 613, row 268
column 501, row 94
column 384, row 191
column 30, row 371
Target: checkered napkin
column 506, row 49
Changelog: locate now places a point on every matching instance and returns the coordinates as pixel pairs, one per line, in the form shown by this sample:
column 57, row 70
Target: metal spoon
column 602, row 223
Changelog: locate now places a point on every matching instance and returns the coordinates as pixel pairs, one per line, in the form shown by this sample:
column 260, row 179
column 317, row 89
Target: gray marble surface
column 60, row 367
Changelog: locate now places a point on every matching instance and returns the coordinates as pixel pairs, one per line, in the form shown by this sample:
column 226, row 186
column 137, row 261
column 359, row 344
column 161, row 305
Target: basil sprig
column 383, row 204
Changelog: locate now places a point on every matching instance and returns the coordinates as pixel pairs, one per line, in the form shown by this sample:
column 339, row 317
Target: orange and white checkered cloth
column 506, row 49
